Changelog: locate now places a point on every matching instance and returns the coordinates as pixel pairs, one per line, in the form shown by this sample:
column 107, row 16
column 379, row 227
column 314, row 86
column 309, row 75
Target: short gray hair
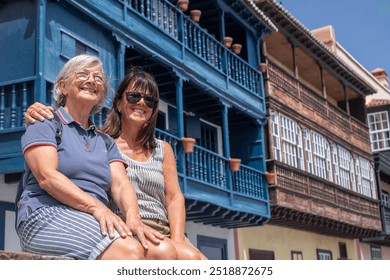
column 75, row 64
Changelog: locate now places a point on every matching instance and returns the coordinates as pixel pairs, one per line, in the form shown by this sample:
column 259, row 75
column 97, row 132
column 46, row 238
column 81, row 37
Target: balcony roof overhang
column 299, row 35
column 208, row 213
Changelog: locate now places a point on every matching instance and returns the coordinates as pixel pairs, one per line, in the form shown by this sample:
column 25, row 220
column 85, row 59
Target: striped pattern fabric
column 148, row 181
column 61, row 230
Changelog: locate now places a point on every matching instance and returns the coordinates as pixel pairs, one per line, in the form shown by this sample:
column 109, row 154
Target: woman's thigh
column 60, row 230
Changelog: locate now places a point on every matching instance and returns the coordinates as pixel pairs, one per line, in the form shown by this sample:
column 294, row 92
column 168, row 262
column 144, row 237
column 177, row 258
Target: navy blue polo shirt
column 82, row 157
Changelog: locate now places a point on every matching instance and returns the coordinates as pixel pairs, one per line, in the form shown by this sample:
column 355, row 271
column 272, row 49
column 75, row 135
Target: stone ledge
column 29, row 256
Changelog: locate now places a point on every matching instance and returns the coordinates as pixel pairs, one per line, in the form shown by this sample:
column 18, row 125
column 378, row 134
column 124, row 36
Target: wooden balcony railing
column 207, row 166
column 297, row 90
column 212, row 169
column 297, row 181
column 173, row 22
column 250, row 182
column 13, row 103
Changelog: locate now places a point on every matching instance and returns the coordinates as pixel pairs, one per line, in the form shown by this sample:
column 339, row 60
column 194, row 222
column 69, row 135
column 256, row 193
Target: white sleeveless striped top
column 148, row 182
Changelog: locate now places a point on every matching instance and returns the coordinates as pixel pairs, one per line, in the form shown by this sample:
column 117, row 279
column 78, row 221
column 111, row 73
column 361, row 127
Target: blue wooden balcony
column 14, row 99
column 214, row 193
column 175, row 40
column 195, row 73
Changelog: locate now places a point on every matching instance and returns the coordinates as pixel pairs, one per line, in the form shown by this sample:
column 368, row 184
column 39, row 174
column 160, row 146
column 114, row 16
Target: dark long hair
column 142, row 81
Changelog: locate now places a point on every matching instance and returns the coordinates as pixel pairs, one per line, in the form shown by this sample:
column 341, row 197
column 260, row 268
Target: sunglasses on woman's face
column 133, row 97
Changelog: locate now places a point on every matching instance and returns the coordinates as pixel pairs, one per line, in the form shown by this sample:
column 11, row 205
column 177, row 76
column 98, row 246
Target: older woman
column 151, row 162
column 63, row 208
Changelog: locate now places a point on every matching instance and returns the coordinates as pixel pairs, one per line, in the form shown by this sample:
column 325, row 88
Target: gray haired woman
column 63, row 207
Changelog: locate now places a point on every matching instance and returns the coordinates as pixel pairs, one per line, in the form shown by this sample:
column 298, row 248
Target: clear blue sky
column 362, row 27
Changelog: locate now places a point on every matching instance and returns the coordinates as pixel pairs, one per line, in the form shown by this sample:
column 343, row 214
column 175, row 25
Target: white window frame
column 352, row 173
column 276, row 136
column 336, row 168
column 378, row 123
column 328, row 162
column 289, row 141
column 345, row 165
column 300, row 156
column 367, row 180
column 309, row 153
column 319, row 155
column 359, row 177
column 324, row 255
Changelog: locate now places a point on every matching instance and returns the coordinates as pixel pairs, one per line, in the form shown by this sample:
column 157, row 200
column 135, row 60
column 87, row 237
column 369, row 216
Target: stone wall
column 4, row 255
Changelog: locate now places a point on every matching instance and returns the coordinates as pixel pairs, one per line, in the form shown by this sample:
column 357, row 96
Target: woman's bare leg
column 123, row 249
column 163, row 251
column 187, row 252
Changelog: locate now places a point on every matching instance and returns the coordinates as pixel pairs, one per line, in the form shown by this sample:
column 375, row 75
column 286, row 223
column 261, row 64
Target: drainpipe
column 40, row 85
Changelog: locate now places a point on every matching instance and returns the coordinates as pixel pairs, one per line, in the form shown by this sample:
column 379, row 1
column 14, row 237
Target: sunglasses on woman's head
column 133, row 97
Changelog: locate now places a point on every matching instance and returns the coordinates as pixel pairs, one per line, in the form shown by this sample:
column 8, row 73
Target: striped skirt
column 63, row 231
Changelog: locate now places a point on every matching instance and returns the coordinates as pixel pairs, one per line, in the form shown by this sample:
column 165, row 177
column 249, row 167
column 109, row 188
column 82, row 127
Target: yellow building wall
column 283, row 240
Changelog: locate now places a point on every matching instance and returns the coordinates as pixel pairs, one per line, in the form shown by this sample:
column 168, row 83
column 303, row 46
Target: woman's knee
column 188, row 253
column 163, row 251
column 124, row 249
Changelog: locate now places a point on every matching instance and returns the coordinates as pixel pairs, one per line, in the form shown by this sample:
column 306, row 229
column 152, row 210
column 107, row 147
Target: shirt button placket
column 86, row 145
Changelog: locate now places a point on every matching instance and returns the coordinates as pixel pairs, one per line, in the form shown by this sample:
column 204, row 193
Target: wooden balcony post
column 179, row 105
column 121, row 61
column 13, row 107
column 40, row 86
column 181, row 32
column 225, row 130
column 24, row 102
column 295, row 66
column 2, row 108
column 346, row 100
column 226, row 144
column 222, row 30
column 323, row 86
column 180, row 123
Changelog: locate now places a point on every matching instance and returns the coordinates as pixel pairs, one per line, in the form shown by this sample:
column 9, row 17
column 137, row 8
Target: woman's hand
column 109, row 221
column 144, row 232
column 38, row 111
column 152, row 235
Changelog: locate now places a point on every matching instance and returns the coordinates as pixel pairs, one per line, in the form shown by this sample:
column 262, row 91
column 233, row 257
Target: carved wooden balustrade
column 314, row 101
